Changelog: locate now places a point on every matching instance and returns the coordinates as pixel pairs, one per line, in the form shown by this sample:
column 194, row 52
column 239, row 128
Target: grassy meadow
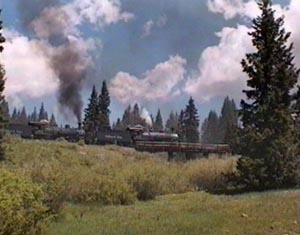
column 113, row 190
column 272, row 213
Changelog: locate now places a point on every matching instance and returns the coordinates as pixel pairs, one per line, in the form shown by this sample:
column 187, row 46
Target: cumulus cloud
column 27, row 68
column 219, row 70
column 104, row 12
column 159, row 84
column 150, row 25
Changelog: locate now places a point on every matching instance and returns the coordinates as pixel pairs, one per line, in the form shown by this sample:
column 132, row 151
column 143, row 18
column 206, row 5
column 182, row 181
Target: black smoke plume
column 47, row 20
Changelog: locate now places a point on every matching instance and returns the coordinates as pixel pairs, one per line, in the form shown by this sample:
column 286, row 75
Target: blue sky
column 169, row 50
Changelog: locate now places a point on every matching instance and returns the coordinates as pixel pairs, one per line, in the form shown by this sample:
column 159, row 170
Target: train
column 128, row 137
column 134, row 136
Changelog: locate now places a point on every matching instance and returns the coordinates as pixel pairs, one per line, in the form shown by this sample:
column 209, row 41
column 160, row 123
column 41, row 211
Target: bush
column 153, row 178
column 22, row 210
column 210, row 174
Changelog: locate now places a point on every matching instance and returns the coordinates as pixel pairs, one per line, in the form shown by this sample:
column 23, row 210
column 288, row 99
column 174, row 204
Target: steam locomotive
column 136, row 137
column 128, row 137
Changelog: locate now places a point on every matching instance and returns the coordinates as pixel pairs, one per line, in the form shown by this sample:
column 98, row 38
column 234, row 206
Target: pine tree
column 91, row 112
column 42, row 114
column 181, row 126
column 158, row 124
column 34, row 116
column 5, row 110
column 119, row 125
column 103, row 106
column 53, row 122
column 269, row 146
column 210, row 129
column 191, row 122
column 228, row 120
column 23, row 116
column 127, row 119
column 2, row 84
column 172, row 122
column 14, row 115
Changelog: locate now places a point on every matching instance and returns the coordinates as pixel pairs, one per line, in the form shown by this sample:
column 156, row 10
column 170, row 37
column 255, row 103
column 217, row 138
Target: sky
column 157, row 53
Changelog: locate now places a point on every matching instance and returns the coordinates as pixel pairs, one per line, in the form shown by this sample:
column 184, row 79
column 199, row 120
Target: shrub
column 152, row 178
column 210, row 174
column 22, row 210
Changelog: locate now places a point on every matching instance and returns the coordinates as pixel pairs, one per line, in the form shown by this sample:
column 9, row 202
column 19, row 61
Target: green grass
column 191, row 214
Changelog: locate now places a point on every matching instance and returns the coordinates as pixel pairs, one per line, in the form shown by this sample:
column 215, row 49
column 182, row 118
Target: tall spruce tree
column 191, row 122
column 172, row 122
column 23, row 116
column 53, row 122
column 210, row 129
column 2, row 83
column 228, row 120
column 91, row 112
column 103, row 106
column 269, row 147
column 158, row 124
column 34, row 116
column 42, row 113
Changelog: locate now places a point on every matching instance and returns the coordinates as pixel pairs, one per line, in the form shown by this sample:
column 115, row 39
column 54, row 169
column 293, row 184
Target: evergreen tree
column 53, row 122
column 5, row 110
column 23, row 116
column 269, row 146
column 181, row 126
column 91, row 112
column 228, row 120
column 103, row 106
column 42, row 114
column 191, row 122
column 127, row 119
column 14, row 115
column 172, row 122
column 34, row 116
column 119, row 125
column 2, row 84
column 210, row 129
column 158, row 125
column 46, row 116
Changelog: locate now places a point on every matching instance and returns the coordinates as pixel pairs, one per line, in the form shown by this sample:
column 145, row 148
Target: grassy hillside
column 275, row 213
column 101, row 190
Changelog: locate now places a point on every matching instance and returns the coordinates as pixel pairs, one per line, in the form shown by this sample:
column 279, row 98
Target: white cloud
column 104, row 12
column 150, row 25
column 147, row 28
column 159, row 84
column 219, row 70
column 28, row 71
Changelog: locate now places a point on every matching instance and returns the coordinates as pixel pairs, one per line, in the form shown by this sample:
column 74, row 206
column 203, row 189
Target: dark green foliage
column 189, row 122
column 34, row 116
column 2, row 100
column 23, row 116
column 91, row 111
column 103, row 108
column 269, row 144
column 228, row 120
column 43, row 114
column 210, row 129
column 158, row 124
column 53, row 121
column 172, row 122
column 132, row 117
